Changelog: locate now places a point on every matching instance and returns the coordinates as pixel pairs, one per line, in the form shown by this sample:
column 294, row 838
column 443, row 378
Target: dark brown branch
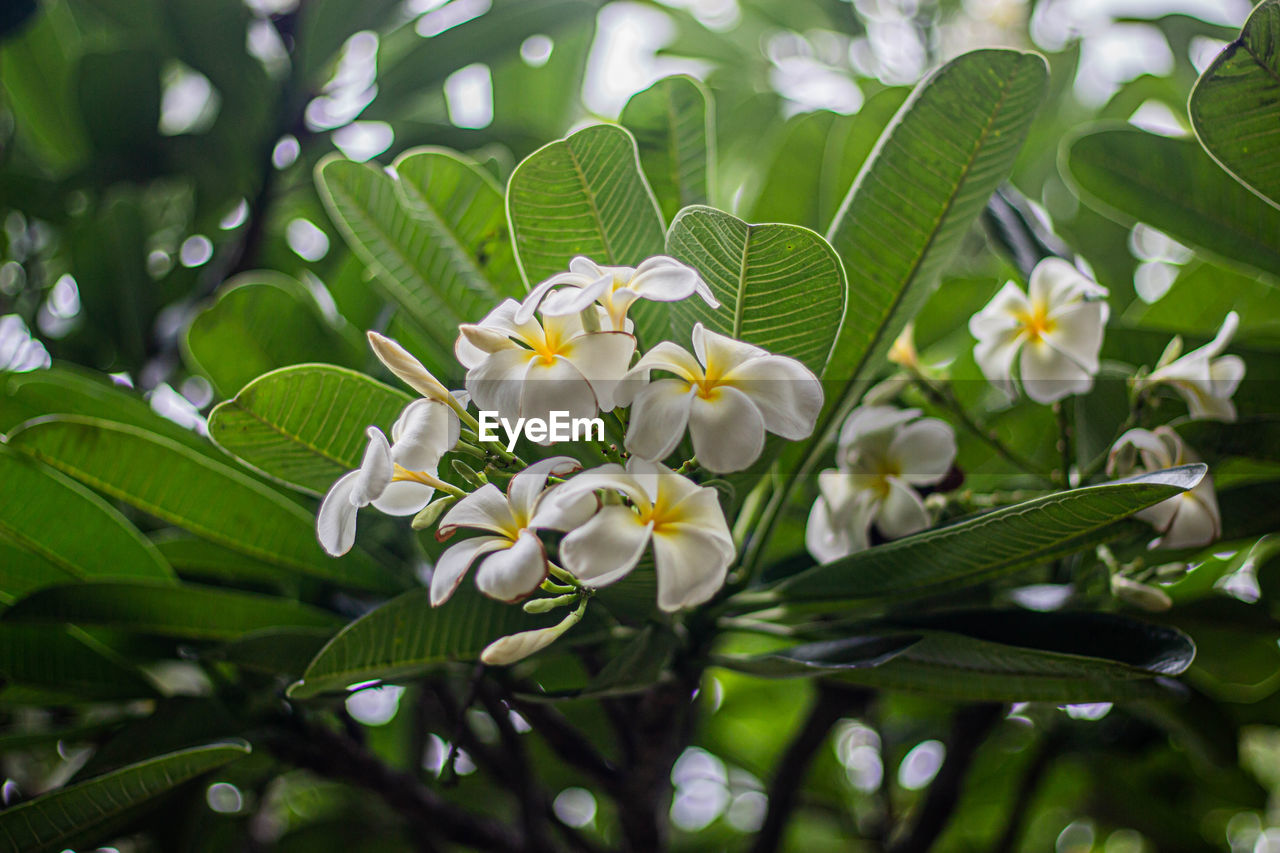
column 334, row 756
column 571, row 745
column 535, row 808
column 969, row 728
column 830, row 703
column 1028, row 786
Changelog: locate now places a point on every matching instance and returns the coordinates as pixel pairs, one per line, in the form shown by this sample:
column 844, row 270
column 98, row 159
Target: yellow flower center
column 1037, row 323
column 401, row 474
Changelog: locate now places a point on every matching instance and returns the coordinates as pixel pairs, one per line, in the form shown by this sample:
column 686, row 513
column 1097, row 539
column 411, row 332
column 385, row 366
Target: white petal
column 539, row 292
column 336, row 520
column 669, row 357
column 902, row 512
column 497, row 382
column 1001, row 314
column 664, row 279
column 659, row 416
column 720, row 353
column 1077, row 332
column 603, row 358
column 995, row 356
column 556, row 387
column 606, row 547
column 924, row 451
column 786, row 392
column 1054, row 282
column 727, row 430
column 405, row 497
column 526, row 486
column 873, row 425
column 424, row 432
column 1194, row 523
column 695, row 508
column 574, row 300
column 476, row 343
column 691, row 566
column 1049, row 375
column 409, row 369
column 374, row 474
column 484, row 509
column 555, row 512
column 610, row 476
column 514, row 573
column 505, row 651
column 454, row 562
column 821, row 539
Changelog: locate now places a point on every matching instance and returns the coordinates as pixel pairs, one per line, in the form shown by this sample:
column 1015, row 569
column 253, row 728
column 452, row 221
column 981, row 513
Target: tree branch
column 1028, row 785
column 567, row 742
column 969, row 728
column 831, row 702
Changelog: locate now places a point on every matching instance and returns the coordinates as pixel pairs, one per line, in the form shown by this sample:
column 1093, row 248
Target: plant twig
column 571, row 745
column 1028, row 786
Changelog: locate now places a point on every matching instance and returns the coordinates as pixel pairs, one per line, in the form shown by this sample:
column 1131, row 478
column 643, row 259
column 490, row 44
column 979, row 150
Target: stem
column 1028, row 785
column 1065, row 444
column 944, row 397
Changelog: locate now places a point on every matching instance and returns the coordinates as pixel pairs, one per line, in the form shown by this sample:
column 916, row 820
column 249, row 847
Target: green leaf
column 1235, row 106
column 187, row 611
column 283, row 651
column 36, row 71
column 407, row 636
column 583, row 195
column 259, row 322
column 192, row 557
column 827, row 657
column 69, row 527
column 674, row 127
column 1018, row 655
column 778, row 285
column 1172, row 184
column 410, row 256
column 205, row 497
column 57, row 819
column 635, row 665
column 305, row 426
column 990, row 546
column 53, row 664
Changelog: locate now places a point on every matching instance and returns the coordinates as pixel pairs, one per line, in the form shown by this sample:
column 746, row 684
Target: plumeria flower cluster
column 553, row 527
column 1189, row 520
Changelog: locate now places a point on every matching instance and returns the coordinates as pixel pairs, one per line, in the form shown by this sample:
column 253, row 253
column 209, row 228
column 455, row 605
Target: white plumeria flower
column 514, row 561
column 882, row 453
column 1056, row 327
column 660, row 278
column 529, row 369
column 692, row 545
column 1204, row 378
column 727, row 397
column 1188, row 520
column 398, row 478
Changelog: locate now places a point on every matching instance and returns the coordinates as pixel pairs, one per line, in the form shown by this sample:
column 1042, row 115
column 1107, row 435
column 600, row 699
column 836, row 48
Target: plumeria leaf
column 989, row 546
column 208, row 498
column 778, row 285
column 199, row 559
column 826, row 657
column 407, row 637
column 1173, row 185
column 283, row 651
column 55, row 664
column 583, row 195
column 633, row 666
column 261, row 321
column 66, row 531
column 674, row 127
column 304, row 425
column 1020, row 655
column 187, row 611
column 427, row 260
column 1235, row 106
column 64, row 817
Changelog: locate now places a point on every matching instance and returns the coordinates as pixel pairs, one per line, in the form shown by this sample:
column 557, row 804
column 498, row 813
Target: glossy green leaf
column 186, row 611
column 826, row 657
column 259, row 322
column 194, row 558
column 778, row 285
column 1173, row 185
column 407, row 637
column 674, row 127
column 205, row 497
column 53, row 664
column 69, row 527
column 989, row 546
column 409, row 255
column 992, row 655
column 286, row 651
column 56, row 820
column 583, row 195
column 305, row 426
column 1235, row 106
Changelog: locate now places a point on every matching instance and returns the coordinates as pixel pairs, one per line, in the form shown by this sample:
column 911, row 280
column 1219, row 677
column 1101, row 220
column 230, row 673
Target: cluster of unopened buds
column 567, row 354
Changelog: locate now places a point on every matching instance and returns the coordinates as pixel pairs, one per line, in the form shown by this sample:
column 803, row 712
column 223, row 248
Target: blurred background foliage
column 156, row 155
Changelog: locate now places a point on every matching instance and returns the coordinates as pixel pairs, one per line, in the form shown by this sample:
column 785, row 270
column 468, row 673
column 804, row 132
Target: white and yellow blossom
column 513, row 561
column 1205, row 378
column 615, row 289
column 1187, row 520
column 398, row 478
column 882, row 453
column 692, row 545
column 727, row 397
column 527, row 369
column 1053, row 332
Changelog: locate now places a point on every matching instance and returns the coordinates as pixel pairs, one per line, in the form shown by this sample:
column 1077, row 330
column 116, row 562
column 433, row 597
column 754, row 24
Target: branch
column 969, row 728
column 567, row 742
column 1028, row 785
column 830, row 704
column 534, row 805
column 327, row 753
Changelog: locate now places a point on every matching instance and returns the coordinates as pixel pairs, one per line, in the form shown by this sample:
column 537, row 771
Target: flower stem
column 1066, row 447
